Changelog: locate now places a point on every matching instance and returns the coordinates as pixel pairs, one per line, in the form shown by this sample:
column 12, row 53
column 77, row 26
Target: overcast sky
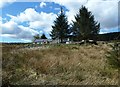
column 21, row 20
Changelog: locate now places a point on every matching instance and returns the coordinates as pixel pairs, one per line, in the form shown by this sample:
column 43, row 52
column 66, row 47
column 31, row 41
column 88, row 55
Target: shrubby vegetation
column 114, row 55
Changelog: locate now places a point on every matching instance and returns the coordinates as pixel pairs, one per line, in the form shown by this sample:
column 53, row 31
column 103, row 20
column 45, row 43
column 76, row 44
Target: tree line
column 83, row 28
column 39, row 37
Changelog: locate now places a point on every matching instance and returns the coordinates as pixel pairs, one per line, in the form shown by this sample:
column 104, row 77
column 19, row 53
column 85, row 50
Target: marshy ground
column 58, row 65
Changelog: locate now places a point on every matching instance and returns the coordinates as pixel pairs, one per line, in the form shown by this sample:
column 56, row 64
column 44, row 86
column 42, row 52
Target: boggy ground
column 58, row 65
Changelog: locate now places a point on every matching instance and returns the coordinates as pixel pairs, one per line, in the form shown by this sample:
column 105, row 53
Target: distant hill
column 14, row 43
column 109, row 36
column 102, row 37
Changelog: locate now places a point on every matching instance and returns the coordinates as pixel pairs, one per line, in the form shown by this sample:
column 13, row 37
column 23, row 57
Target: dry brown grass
column 64, row 64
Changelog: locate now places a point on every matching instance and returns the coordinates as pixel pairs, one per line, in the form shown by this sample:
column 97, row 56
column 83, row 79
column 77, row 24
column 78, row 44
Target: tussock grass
column 58, row 64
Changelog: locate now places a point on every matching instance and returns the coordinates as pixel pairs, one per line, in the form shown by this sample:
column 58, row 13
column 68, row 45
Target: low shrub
column 114, row 55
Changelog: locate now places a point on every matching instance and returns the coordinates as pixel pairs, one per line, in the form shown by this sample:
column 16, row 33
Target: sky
column 20, row 20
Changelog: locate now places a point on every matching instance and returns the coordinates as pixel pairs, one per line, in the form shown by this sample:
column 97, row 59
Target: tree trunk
column 61, row 40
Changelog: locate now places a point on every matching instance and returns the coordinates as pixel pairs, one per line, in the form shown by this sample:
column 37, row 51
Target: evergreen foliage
column 43, row 36
column 36, row 37
column 85, row 26
column 114, row 56
column 60, row 28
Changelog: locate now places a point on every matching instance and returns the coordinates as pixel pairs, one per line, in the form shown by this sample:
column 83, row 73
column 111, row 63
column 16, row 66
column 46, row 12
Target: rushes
column 63, row 64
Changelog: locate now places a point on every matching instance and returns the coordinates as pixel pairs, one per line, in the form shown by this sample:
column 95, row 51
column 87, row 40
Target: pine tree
column 60, row 28
column 36, row 37
column 75, row 32
column 85, row 25
column 43, row 36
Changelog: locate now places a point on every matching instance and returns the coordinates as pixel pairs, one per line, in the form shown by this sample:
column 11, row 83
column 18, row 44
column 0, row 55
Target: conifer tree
column 36, row 37
column 85, row 25
column 60, row 28
column 43, row 36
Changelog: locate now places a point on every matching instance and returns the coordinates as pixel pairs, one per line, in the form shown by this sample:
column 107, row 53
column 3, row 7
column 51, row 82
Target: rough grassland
column 58, row 64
